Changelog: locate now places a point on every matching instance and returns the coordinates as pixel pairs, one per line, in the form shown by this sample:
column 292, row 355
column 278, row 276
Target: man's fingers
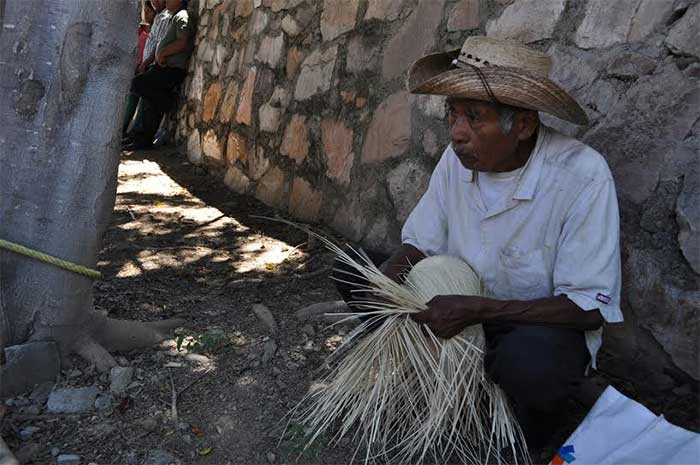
column 420, row 317
column 423, row 322
column 449, row 334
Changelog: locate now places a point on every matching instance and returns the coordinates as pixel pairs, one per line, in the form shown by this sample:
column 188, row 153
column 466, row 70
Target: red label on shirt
column 603, row 298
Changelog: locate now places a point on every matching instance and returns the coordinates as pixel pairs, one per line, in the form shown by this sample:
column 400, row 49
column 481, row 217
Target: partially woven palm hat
column 495, row 70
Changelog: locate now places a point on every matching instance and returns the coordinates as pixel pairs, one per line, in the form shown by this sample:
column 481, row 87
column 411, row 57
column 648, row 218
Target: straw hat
column 495, row 70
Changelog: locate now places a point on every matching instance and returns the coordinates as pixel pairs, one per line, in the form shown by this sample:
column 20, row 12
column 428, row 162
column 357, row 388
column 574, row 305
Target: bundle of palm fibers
column 403, row 393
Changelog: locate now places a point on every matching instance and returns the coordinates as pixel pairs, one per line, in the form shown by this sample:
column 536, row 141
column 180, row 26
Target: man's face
column 477, row 137
column 173, row 5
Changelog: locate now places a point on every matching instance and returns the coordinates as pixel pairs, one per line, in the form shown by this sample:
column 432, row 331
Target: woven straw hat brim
column 432, row 75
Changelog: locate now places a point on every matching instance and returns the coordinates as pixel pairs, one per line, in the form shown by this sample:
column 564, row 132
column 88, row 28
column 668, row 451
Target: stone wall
column 301, row 103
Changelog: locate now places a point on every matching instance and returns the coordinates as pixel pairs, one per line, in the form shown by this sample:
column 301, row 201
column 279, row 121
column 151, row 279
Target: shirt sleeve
column 182, row 24
column 587, row 267
column 426, row 226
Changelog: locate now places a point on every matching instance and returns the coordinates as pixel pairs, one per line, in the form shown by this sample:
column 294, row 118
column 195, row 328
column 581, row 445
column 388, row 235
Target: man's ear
column 526, row 123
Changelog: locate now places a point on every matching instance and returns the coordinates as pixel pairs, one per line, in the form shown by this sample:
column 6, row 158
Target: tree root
column 93, row 340
column 96, row 354
column 319, row 309
column 173, row 397
column 124, row 335
column 101, row 335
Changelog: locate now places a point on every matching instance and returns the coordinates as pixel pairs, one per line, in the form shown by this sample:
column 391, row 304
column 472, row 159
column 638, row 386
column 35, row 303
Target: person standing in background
column 158, row 30
column 146, row 57
column 147, row 16
column 155, row 86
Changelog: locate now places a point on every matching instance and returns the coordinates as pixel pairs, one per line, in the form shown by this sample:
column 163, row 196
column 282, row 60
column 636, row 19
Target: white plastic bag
column 620, row 431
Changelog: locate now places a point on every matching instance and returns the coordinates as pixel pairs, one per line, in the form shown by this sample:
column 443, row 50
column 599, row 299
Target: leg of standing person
column 132, row 101
column 155, row 88
column 138, row 118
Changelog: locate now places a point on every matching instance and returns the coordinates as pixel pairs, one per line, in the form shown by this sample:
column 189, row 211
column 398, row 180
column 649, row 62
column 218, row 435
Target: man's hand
column 141, row 68
column 173, row 48
column 448, row 315
column 401, row 261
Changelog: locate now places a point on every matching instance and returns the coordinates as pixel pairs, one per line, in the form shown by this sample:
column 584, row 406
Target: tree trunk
column 65, row 68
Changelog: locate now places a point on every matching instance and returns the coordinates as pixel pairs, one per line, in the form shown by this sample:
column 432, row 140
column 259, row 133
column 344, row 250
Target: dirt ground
column 181, row 245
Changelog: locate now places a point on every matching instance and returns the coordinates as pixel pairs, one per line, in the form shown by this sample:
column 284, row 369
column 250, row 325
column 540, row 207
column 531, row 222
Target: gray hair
column 506, row 116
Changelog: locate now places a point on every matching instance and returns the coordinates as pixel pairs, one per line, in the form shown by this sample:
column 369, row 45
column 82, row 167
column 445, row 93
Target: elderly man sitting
column 532, row 211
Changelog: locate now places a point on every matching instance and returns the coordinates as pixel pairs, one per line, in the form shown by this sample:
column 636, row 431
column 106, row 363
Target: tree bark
column 65, row 68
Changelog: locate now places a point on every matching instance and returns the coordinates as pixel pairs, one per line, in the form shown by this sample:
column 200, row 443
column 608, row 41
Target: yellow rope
column 22, row 250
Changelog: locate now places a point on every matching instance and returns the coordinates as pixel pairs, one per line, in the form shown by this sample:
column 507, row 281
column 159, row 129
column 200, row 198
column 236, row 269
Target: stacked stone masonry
column 302, row 104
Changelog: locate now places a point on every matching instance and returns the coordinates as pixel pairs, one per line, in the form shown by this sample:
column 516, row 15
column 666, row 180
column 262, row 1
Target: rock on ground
column 27, row 432
column 159, row 457
column 269, row 350
column 120, row 379
column 72, row 400
column 308, row 330
column 42, row 356
column 319, row 309
column 265, row 315
column 68, row 459
column 104, row 403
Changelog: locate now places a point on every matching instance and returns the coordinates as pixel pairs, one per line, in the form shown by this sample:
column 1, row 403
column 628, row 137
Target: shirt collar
column 527, row 183
column 533, row 168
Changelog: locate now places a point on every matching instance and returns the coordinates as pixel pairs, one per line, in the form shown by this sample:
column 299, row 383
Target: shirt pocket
column 523, row 275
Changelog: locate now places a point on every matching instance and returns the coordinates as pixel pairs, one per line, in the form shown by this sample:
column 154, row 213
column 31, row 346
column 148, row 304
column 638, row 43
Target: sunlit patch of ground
column 170, row 204
column 181, row 245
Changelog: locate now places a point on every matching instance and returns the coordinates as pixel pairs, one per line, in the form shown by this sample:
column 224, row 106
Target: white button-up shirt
column 558, row 234
column 158, row 30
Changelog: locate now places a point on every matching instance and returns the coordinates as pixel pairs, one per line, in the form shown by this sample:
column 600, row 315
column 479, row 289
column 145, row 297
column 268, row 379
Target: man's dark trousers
column 538, row 367
column 155, row 87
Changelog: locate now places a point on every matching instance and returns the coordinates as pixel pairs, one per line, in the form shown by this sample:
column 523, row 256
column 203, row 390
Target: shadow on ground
column 182, row 245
